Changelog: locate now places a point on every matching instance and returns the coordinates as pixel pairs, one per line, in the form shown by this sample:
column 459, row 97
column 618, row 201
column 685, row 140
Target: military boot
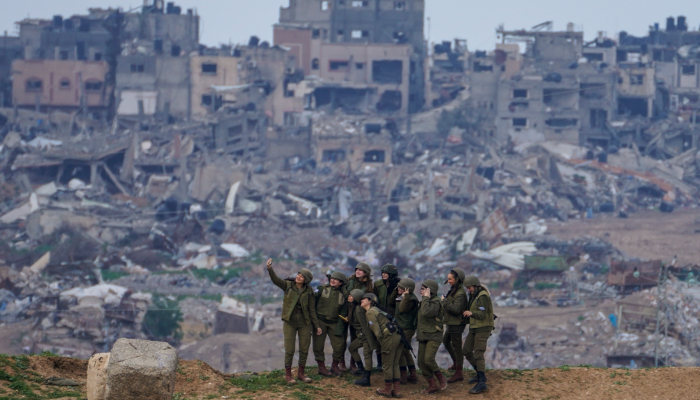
column 404, row 376
column 412, row 376
column 353, row 367
column 396, row 390
column 301, row 375
column 343, row 368
column 475, row 378
column 288, row 375
column 335, row 370
column 386, row 392
column 441, row 380
column 379, row 368
column 458, row 376
column 481, row 385
column 360, row 370
column 432, row 387
column 322, row 370
column 365, row 380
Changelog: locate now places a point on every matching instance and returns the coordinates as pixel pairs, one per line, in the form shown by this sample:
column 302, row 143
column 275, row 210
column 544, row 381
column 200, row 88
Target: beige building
column 208, row 71
column 59, row 84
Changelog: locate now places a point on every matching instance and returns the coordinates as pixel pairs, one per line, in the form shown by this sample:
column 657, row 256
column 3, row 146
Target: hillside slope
column 24, row 378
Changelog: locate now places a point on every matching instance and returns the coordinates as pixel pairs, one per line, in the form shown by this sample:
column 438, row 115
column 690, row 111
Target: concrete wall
column 227, row 74
column 10, row 49
column 60, row 83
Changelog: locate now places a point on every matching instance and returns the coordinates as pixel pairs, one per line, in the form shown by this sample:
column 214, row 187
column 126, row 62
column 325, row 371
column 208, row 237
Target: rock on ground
column 141, row 369
column 97, row 376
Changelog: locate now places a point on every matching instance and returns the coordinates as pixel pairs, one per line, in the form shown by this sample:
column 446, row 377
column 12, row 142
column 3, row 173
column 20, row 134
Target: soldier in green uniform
column 358, row 320
column 406, row 316
column 481, row 324
column 455, row 303
column 383, row 329
column 430, row 328
column 382, row 289
column 362, row 279
column 299, row 316
column 330, row 304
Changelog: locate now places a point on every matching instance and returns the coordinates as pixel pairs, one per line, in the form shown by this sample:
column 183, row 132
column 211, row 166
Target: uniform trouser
column 453, row 342
column 406, row 359
column 327, row 330
column 475, row 347
column 355, row 346
column 426, row 358
column 391, row 353
column 296, row 326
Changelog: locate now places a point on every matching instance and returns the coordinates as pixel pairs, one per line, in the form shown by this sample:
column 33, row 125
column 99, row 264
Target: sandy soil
column 648, row 234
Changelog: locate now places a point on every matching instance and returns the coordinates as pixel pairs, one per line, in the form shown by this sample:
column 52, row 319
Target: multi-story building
column 351, row 22
column 565, row 89
column 59, row 84
column 10, row 50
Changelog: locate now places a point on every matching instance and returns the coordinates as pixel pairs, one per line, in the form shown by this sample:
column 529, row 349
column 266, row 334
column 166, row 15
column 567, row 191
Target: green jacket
column 353, row 283
column 482, row 310
column 407, row 310
column 292, row 295
column 358, row 320
column 330, row 303
column 377, row 324
column 455, row 304
column 430, row 320
column 381, row 290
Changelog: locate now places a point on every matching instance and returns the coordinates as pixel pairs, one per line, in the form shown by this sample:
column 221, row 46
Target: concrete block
column 97, row 376
column 141, row 369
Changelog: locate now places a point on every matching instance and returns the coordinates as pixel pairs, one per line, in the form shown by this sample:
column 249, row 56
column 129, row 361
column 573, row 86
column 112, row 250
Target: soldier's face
column 351, row 299
column 451, row 279
column 385, row 276
column 365, row 303
column 471, row 289
column 359, row 273
column 300, row 279
column 335, row 283
column 402, row 290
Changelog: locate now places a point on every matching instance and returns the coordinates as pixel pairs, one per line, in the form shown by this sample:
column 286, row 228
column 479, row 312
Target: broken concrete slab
column 141, row 369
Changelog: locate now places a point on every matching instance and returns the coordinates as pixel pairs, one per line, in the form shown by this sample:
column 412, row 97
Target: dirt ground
column 648, row 234
column 197, row 380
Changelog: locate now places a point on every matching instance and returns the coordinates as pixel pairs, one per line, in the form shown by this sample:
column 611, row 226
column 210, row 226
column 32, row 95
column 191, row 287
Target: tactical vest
column 329, row 302
column 486, row 322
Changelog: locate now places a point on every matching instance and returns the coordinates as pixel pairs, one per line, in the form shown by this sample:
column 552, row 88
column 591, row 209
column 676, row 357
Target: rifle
column 397, row 328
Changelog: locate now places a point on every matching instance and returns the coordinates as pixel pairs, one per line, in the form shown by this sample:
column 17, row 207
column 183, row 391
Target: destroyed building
column 357, row 22
column 10, row 49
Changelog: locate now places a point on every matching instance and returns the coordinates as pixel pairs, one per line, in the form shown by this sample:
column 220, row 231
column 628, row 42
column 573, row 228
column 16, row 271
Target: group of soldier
column 383, row 316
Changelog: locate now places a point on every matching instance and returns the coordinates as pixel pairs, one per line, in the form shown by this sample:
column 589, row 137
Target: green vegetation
column 24, row 383
column 163, row 318
column 254, row 383
column 565, row 368
column 546, row 285
column 108, row 275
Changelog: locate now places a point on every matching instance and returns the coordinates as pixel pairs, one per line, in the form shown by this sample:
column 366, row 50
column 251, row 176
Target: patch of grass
column 620, row 383
column 581, row 318
column 259, row 382
column 47, row 353
column 585, row 366
column 108, row 275
column 565, row 368
column 613, row 374
column 301, row 396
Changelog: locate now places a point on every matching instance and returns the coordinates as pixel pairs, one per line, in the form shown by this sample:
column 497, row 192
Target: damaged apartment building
column 564, row 88
column 361, row 56
column 148, row 68
column 10, row 49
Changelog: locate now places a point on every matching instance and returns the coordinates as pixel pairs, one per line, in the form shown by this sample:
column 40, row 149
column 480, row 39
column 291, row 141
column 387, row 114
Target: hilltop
column 23, row 377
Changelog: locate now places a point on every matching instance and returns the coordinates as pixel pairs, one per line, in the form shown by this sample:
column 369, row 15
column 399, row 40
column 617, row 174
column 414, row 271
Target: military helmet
column 371, row 296
column 339, row 276
column 471, row 280
column 459, row 273
column 390, row 269
column 432, row 285
column 357, row 295
column 365, row 268
column 308, row 276
column 406, row 283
